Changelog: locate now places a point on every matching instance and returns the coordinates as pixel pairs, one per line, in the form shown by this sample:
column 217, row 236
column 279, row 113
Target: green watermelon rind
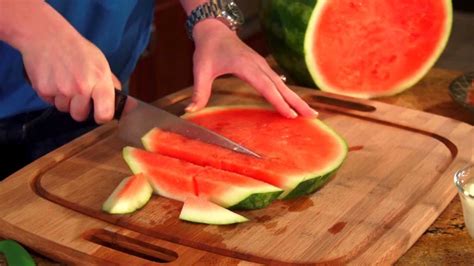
column 306, row 183
column 285, row 24
column 256, row 201
column 311, row 185
column 246, row 198
column 239, row 198
column 115, row 205
column 289, row 29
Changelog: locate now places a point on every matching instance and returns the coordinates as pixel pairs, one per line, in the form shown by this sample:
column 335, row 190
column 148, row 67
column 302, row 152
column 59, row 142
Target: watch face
column 231, row 12
column 235, row 13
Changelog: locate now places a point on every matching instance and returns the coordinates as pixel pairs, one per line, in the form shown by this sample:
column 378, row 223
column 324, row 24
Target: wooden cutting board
column 396, row 180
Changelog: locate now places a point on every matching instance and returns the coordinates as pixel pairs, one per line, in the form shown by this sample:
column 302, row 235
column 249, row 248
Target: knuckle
column 64, row 89
column 82, row 86
column 100, row 72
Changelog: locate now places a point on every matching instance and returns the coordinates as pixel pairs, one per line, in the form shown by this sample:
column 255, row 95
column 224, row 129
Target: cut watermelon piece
column 363, row 48
column 170, row 178
column 299, row 155
column 177, row 179
column 131, row 194
column 199, row 210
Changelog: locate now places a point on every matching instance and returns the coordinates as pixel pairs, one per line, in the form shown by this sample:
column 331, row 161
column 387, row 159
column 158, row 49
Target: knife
column 136, row 118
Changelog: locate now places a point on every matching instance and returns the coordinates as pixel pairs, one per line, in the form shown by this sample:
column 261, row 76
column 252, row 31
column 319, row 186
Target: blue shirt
column 119, row 28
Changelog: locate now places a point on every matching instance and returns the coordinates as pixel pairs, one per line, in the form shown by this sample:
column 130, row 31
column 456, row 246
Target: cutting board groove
column 130, row 246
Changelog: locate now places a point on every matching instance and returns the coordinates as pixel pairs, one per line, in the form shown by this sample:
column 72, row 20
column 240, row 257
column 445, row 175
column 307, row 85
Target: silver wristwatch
column 226, row 11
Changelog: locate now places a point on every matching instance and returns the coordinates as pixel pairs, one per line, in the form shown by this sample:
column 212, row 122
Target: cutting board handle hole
column 341, row 103
column 130, row 246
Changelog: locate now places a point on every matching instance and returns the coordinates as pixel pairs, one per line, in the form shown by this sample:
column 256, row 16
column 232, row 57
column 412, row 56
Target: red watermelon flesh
column 294, row 150
column 177, row 179
column 384, row 44
column 177, row 184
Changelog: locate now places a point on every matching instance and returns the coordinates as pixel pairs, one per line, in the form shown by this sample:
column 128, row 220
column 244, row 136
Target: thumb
column 201, row 92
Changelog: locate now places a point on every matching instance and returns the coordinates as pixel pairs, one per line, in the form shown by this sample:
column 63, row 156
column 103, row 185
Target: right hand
column 68, row 71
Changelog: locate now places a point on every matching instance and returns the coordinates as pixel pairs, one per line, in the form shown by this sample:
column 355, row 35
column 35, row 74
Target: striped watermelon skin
column 285, row 26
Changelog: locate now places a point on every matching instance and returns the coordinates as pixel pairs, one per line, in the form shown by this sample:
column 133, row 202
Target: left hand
column 220, row 51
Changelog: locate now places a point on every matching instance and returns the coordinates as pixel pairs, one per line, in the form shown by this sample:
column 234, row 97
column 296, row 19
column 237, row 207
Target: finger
column 289, row 95
column 253, row 75
column 293, row 99
column 62, row 103
column 297, row 103
column 79, row 107
column 202, row 88
column 48, row 99
column 116, row 82
column 103, row 98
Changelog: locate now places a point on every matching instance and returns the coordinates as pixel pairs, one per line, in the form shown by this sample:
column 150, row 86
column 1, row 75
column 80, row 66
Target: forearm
column 24, row 23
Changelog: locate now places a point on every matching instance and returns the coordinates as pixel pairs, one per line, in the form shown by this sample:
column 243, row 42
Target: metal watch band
column 201, row 12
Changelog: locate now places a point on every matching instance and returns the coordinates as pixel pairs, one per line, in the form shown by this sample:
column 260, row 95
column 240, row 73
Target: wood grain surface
column 395, row 182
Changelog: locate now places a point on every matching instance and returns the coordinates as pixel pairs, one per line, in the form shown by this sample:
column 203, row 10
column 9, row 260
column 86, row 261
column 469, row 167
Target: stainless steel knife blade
column 136, row 118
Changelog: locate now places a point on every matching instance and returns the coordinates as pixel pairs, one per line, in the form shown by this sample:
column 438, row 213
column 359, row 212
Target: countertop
column 446, row 241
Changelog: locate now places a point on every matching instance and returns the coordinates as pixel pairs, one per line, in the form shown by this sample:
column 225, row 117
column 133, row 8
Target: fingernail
column 293, row 114
column 315, row 113
column 191, row 107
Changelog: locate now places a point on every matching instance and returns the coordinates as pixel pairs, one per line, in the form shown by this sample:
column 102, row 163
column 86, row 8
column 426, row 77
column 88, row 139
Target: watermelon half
column 178, row 180
column 299, row 155
column 363, row 48
column 199, row 210
column 131, row 194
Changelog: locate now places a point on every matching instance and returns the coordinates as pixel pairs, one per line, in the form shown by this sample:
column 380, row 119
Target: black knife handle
column 120, row 100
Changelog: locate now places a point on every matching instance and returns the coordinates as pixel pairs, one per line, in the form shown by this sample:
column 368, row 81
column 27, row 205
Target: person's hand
column 64, row 68
column 220, row 51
